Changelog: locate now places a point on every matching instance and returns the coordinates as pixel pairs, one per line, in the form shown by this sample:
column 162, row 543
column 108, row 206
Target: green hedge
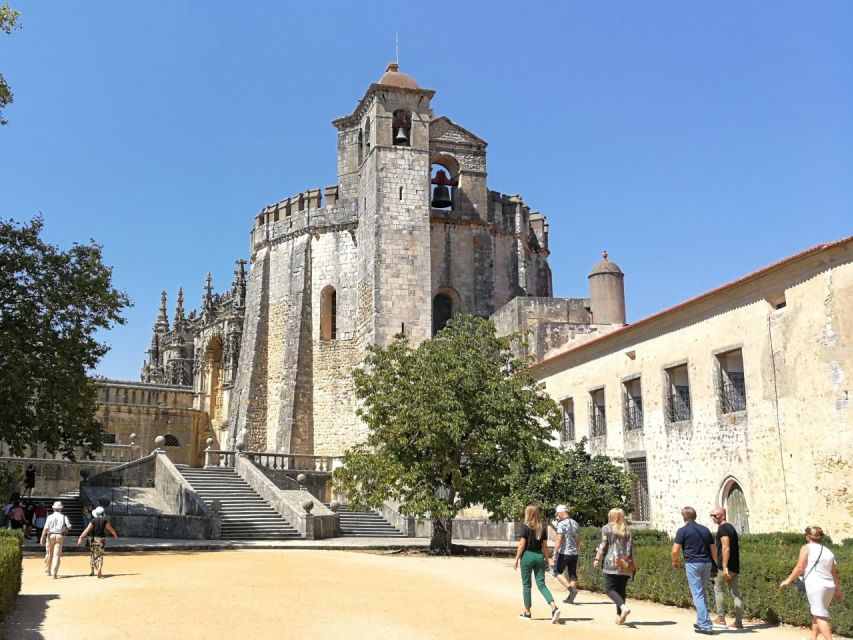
column 10, row 569
column 766, row 560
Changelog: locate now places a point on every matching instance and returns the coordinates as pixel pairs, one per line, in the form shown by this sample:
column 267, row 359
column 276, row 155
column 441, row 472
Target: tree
column 446, row 422
column 52, row 304
column 8, row 21
column 590, row 484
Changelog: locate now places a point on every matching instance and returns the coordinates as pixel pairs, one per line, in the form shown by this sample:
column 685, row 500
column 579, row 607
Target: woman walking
column 534, row 554
column 617, row 552
column 97, row 528
column 817, row 564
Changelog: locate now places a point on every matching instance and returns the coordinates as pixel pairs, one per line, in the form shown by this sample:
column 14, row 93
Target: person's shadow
column 25, row 622
column 650, row 623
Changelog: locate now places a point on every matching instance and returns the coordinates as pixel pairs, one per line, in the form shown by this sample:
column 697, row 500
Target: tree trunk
column 440, row 542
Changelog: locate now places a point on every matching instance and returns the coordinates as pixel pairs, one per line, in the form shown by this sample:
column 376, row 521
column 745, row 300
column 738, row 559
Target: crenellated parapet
column 311, row 211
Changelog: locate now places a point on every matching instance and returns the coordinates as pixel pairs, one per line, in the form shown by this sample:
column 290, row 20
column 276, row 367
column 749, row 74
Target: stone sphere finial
column 132, row 437
column 308, row 505
column 604, row 254
column 301, row 479
column 240, row 445
column 334, row 505
column 159, row 441
column 209, row 442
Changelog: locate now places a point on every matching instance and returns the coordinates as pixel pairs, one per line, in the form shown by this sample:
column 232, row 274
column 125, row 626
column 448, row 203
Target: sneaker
column 573, row 593
column 624, row 615
column 720, row 624
column 736, row 625
column 707, row 632
column 555, row 616
column 524, row 616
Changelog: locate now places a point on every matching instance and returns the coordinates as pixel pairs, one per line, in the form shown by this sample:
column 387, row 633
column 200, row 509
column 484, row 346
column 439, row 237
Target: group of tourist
column 57, row 527
column 704, row 557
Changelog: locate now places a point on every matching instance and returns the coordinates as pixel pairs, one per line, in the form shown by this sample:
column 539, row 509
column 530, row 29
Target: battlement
column 510, row 213
column 300, row 213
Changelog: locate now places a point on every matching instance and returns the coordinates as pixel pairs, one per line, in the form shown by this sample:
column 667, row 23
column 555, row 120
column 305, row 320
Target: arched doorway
column 442, row 311
column 734, row 502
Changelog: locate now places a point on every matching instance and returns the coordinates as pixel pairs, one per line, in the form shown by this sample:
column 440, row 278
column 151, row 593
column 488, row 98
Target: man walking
column 53, row 535
column 728, row 563
column 566, row 547
column 697, row 544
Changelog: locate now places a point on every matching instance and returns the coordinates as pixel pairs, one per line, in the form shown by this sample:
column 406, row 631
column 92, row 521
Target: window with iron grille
column 732, row 386
column 108, row 438
column 597, row 419
column 640, row 490
column 567, row 429
column 171, row 441
column 677, row 389
column 632, row 404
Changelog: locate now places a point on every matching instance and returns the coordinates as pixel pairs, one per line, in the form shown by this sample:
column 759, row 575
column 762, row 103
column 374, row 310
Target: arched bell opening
column 401, row 128
column 444, row 181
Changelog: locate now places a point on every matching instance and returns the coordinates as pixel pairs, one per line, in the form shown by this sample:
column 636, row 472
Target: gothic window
column 360, row 146
column 401, row 128
column 442, row 311
column 171, row 441
column 367, row 137
column 328, row 314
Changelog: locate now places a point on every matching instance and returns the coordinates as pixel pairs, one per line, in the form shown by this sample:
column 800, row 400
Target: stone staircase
column 71, row 507
column 365, row 524
column 245, row 515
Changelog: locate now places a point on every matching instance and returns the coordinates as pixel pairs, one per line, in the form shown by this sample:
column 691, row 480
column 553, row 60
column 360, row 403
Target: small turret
column 607, row 292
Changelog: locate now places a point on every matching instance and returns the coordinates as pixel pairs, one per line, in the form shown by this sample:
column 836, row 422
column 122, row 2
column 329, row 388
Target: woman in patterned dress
column 97, row 528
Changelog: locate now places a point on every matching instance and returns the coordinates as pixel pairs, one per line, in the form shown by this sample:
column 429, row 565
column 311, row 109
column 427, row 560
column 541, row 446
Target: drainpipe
column 778, row 424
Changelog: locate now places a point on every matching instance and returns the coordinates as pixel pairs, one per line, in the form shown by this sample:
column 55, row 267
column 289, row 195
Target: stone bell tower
column 384, row 165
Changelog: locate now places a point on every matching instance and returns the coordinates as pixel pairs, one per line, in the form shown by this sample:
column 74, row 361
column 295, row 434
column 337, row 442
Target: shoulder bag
column 801, row 580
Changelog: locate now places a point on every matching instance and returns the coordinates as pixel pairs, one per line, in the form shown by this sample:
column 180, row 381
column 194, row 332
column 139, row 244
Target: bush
column 10, row 569
column 766, row 560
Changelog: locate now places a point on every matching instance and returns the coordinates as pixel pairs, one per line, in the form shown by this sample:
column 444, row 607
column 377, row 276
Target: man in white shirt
column 53, row 534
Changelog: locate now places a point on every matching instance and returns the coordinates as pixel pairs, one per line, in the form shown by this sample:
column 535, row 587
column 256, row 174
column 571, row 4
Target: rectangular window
column 567, row 430
column 732, row 386
column 597, row 420
column 677, row 389
column 632, row 404
column 108, row 438
column 640, row 490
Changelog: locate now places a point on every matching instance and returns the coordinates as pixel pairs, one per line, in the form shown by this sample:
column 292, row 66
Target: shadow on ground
column 26, row 620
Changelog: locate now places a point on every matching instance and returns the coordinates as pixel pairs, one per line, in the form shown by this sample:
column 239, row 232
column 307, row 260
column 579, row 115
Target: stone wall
column 55, row 476
column 790, row 451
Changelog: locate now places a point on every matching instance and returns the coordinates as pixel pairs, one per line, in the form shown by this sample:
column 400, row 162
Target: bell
column 441, row 197
column 401, row 137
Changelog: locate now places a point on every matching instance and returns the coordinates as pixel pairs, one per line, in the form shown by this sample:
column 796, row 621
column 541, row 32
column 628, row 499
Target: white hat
column 57, row 506
column 98, row 512
column 561, row 508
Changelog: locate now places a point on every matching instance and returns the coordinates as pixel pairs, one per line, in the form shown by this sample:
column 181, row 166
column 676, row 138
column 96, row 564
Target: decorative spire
column 179, row 309
column 238, row 287
column 162, row 323
column 207, row 302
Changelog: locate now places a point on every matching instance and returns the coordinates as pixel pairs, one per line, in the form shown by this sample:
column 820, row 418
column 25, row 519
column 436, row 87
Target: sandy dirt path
column 316, row 595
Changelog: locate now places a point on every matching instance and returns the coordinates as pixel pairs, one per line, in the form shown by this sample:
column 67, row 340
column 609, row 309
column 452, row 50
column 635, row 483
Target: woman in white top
column 817, row 564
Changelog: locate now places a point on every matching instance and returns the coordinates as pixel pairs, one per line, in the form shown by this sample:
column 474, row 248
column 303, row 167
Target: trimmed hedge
column 10, row 569
column 766, row 560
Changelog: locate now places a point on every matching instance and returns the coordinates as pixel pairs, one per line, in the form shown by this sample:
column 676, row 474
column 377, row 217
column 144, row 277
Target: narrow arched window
column 367, row 137
column 360, row 146
column 329, row 314
column 442, row 311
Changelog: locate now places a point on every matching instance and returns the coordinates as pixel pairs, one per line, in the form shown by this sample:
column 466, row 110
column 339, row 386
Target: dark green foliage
column 10, row 569
column 766, row 560
column 589, row 484
column 53, row 303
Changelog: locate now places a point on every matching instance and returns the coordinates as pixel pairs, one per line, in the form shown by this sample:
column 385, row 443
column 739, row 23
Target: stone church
column 409, row 235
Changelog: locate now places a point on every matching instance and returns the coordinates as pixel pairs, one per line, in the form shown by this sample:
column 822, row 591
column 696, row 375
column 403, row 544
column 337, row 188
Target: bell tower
column 384, row 174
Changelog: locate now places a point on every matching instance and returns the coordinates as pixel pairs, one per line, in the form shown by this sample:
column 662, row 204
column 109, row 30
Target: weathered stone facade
column 739, row 397
column 408, row 236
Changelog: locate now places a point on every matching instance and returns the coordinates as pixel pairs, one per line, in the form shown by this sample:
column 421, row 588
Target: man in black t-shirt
column 728, row 562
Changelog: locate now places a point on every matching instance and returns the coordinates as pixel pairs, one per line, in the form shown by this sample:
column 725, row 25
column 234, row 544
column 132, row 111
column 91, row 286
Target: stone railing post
column 207, row 464
column 132, row 446
column 159, row 441
column 309, row 519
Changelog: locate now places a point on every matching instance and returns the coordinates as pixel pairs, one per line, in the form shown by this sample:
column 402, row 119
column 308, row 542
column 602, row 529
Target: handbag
column 801, row 580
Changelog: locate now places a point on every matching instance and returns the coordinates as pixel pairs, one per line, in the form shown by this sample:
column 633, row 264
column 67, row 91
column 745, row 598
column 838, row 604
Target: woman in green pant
column 533, row 553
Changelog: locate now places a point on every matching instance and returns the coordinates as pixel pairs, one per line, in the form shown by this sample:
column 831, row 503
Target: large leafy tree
column 447, row 422
column 52, row 304
column 8, row 21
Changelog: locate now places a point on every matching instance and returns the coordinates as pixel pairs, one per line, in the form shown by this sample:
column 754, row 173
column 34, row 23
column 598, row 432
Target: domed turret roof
column 605, row 266
column 393, row 77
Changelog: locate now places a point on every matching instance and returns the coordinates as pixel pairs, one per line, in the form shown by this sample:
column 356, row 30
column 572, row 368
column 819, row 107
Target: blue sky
column 695, row 142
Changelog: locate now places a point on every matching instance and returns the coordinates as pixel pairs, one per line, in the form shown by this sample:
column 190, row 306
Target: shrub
column 10, row 569
column 766, row 560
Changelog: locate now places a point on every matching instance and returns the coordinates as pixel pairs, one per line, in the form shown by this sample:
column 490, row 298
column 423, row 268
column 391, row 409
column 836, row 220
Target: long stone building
column 408, row 236
column 739, row 397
